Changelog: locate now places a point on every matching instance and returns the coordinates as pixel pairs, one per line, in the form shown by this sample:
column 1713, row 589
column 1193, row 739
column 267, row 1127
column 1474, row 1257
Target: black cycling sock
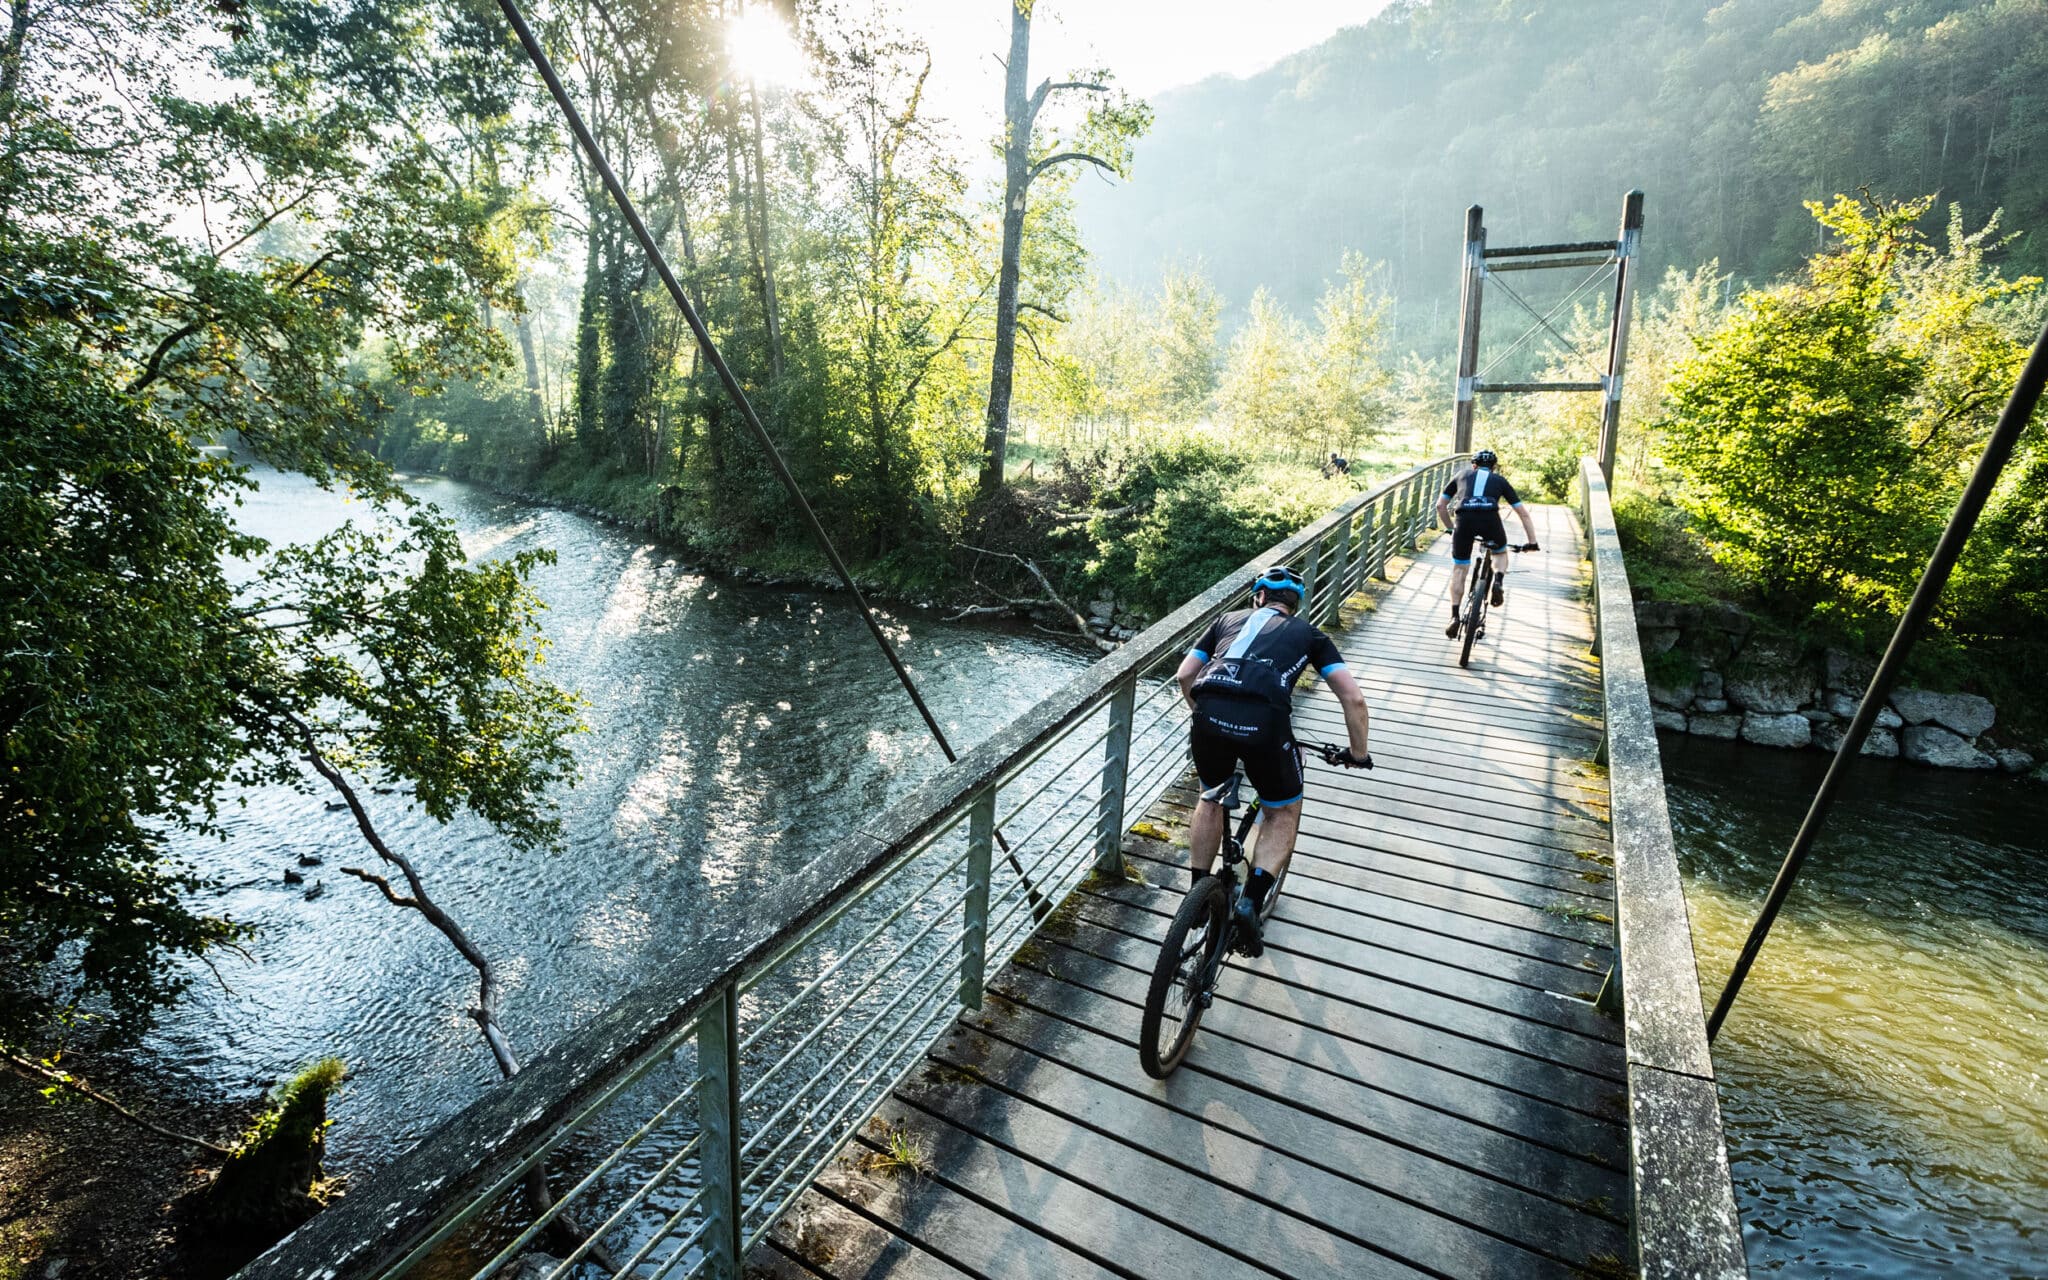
column 1260, row 884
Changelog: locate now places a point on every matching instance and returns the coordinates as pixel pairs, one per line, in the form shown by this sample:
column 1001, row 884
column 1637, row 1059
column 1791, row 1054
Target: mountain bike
column 1203, row 934
column 1480, row 589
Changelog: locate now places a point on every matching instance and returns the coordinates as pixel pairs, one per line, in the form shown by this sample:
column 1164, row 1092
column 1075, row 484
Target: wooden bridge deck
column 1412, row 1080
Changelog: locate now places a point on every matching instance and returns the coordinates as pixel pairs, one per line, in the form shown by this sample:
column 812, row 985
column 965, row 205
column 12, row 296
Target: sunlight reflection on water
column 735, row 734
column 1882, row 1074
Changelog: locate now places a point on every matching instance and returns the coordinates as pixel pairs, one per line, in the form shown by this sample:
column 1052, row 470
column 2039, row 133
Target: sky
column 1150, row 44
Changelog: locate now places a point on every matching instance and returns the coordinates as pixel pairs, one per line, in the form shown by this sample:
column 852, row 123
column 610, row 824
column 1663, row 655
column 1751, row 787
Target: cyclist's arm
column 1443, row 512
column 1528, row 525
column 1357, row 721
column 1190, row 667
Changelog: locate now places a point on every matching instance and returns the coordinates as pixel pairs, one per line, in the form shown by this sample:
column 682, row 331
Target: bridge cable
column 1040, row 906
column 1998, row 450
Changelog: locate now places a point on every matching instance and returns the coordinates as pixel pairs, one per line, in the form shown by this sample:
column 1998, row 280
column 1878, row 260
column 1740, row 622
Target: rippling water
column 1882, row 1073
column 735, row 733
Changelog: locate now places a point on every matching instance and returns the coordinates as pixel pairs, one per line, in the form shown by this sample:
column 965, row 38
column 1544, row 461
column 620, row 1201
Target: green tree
column 1190, row 311
column 140, row 680
column 1348, row 378
column 1266, row 392
column 1792, row 426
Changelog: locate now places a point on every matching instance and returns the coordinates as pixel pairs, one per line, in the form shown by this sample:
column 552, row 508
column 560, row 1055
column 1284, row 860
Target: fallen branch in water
column 1052, row 596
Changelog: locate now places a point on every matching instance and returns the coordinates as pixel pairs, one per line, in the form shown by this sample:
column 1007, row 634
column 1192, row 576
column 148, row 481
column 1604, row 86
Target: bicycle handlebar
column 1333, row 755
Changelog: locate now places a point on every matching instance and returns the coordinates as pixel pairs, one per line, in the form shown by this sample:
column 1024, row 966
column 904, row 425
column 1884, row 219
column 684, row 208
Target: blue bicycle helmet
column 1281, row 580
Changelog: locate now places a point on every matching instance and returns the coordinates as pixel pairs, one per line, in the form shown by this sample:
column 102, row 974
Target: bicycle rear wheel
column 1177, row 998
column 1475, row 612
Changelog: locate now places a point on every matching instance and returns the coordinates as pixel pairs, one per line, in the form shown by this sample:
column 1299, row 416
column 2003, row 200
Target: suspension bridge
column 1474, row 1046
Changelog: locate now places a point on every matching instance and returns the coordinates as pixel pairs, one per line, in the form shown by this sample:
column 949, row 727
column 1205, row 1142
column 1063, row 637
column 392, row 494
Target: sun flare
column 763, row 49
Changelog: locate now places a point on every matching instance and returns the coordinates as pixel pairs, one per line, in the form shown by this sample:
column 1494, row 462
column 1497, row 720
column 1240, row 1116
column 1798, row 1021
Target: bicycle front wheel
column 1179, row 994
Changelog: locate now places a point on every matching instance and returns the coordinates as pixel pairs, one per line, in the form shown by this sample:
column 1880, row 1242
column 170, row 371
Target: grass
column 900, row 1151
column 1573, row 911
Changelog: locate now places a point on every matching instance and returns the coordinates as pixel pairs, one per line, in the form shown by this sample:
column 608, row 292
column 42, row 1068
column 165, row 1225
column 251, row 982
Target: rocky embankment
column 1713, row 675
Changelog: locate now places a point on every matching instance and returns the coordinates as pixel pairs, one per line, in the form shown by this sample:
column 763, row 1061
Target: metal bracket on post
column 981, row 831
column 718, row 1119
column 1338, row 571
column 1609, row 1000
column 1116, row 754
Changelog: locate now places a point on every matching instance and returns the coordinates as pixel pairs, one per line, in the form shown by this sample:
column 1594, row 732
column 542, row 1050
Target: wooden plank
column 963, row 1231
column 1418, row 844
column 1299, row 1187
column 822, row 1237
column 1303, row 913
column 1351, row 958
column 1437, row 1069
column 1528, row 937
column 1165, row 1165
column 1166, row 867
column 1497, row 1027
column 1435, row 1142
column 1112, row 1232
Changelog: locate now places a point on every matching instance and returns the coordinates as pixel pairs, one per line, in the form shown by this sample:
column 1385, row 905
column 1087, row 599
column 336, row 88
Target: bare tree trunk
column 1016, row 182
column 534, row 402
column 769, row 310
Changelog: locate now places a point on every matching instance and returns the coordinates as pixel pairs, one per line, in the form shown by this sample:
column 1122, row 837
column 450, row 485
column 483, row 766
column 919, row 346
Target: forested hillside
column 1728, row 114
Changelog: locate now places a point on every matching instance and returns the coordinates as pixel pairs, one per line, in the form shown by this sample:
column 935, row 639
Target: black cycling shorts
column 1273, row 771
column 1482, row 524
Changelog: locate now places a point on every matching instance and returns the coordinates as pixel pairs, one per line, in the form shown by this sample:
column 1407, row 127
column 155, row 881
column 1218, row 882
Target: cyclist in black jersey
column 1239, row 680
column 1476, row 494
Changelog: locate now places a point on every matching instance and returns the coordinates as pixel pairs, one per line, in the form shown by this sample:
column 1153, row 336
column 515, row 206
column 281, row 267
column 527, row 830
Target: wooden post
column 1468, row 327
column 1617, row 341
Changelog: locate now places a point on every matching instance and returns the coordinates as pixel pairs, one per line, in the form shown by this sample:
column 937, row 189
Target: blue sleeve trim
column 1516, row 505
column 1198, row 655
column 1335, row 666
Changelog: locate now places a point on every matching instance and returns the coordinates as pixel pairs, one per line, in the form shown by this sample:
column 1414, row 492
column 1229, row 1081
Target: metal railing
column 666, row 1137
column 1683, row 1218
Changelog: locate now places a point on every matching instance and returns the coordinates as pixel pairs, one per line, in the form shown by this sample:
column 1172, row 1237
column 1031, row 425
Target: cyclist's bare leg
column 1458, row 572
column 1277, row 830
column 1205, row 835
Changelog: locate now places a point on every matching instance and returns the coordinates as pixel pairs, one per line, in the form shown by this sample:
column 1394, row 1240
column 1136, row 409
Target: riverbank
column 86, row 1195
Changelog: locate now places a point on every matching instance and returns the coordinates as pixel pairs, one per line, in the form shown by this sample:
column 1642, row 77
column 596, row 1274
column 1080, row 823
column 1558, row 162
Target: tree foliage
column 173, row 273
column 1823, row 432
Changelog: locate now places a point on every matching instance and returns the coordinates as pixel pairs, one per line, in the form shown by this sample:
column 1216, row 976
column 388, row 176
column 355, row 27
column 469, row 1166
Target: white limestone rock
column 1668, row 719
column 1966, row 714
column 1882, row 743
column 1784, row 729
column 2013, row 760
column 1713, row 726
column 1712, row 706
column 1843, row 706
column 1931, row 744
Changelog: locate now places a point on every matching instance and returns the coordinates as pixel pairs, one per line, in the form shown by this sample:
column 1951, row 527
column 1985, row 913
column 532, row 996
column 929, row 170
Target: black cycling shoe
column 1500, row 594
column 1452, row 630
column 1247, row 938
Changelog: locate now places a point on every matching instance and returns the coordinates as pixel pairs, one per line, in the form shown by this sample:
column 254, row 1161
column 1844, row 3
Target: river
column 1882, row 1074
column 1881, row 1079
column 735, row 732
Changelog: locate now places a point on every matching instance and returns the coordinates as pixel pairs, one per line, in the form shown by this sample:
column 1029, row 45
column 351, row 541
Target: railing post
column 718, row 1118
column 1375, row 554
column 981, row 830
column 1116, row 752
column 1339, row 570
column 1308, row 572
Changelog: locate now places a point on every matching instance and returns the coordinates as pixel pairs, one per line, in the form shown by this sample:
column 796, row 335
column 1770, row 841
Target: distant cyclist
column 1476, row 494
column 1239, row 679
